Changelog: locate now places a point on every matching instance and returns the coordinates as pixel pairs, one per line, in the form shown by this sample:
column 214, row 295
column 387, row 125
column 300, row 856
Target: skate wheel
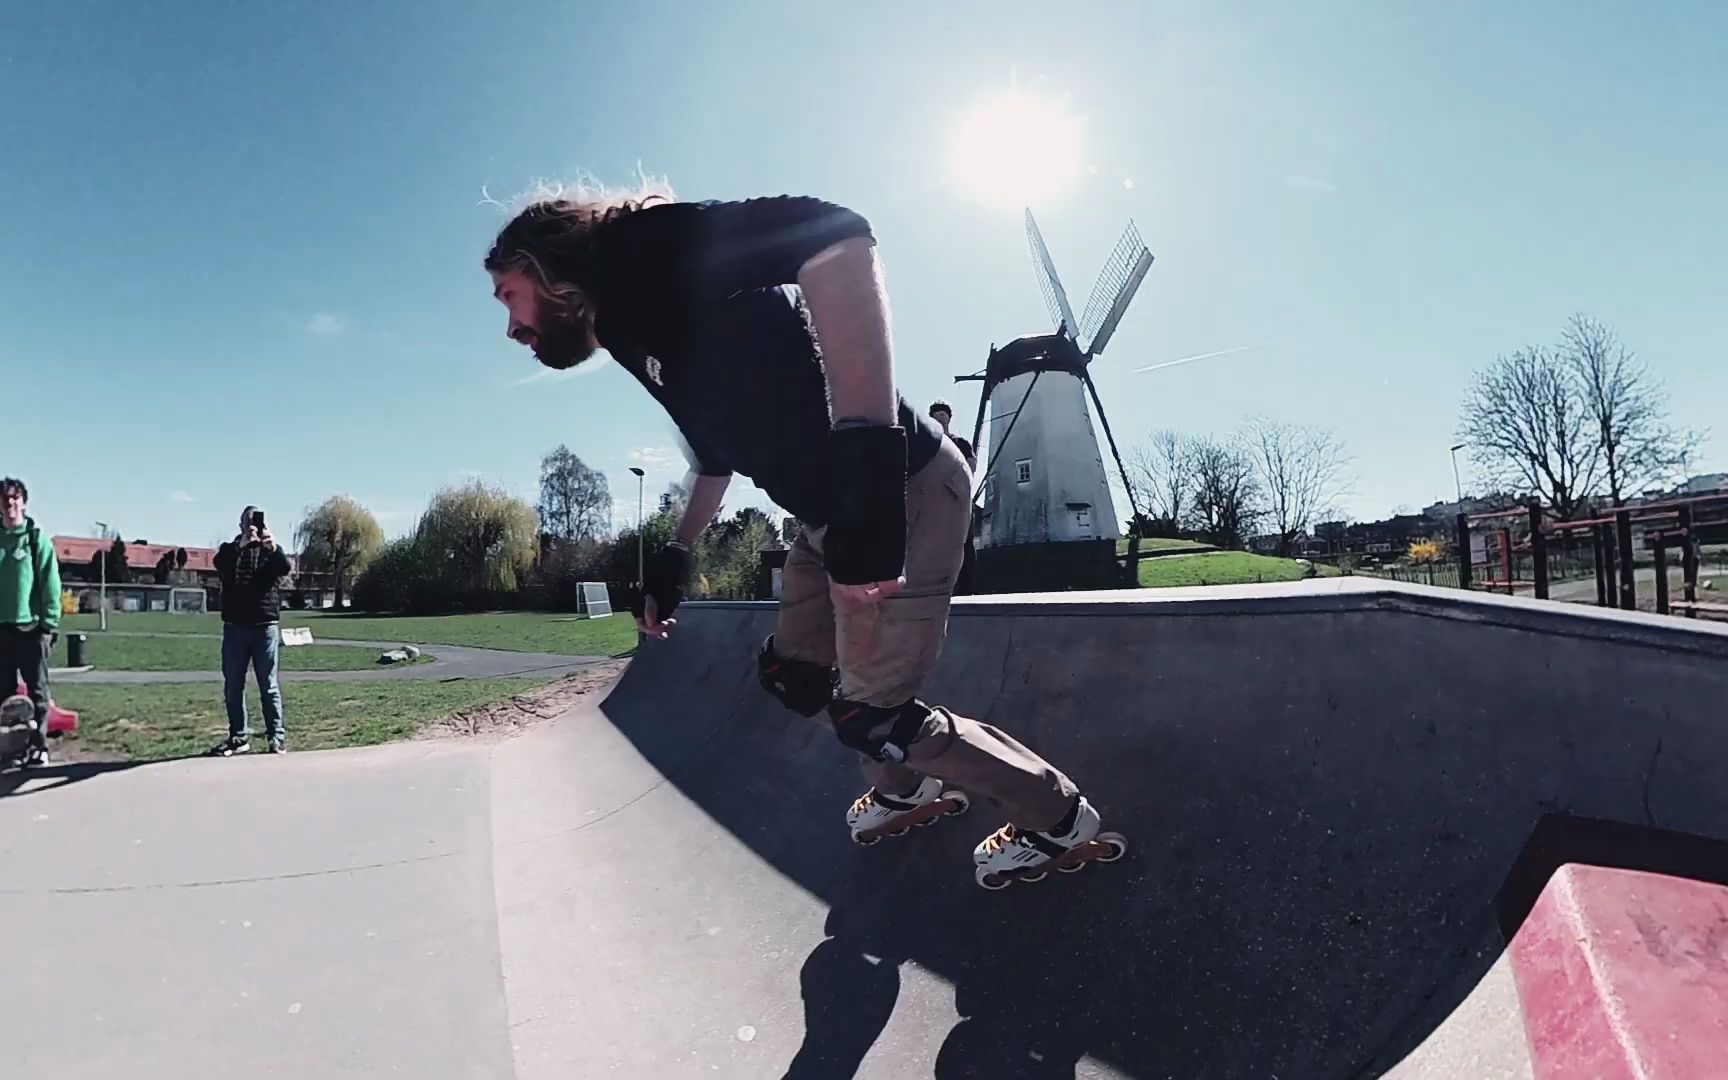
column 866, row 841
column 992, row 882
column 1116, row 842
column 1035, row 876
column 960, row 803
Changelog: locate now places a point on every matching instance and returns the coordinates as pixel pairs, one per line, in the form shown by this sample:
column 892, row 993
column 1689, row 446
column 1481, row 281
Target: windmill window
column 1023, row 470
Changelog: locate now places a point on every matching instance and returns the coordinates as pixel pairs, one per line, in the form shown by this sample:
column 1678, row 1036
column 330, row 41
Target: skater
column 761, row 327
column 29, row 609
column 943, row 414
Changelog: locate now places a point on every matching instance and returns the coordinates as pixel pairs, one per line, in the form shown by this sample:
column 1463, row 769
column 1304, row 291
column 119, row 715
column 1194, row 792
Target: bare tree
column 1161, row 471
column 1300, row 472
column 1226, row 497
column 1624, row 403
column 575, row 503
column 1529, row 429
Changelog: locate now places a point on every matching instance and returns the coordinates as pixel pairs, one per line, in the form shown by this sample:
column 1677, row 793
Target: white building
column 1046, row 479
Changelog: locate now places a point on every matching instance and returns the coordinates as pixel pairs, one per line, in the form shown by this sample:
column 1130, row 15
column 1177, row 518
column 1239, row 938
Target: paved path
column 449, row 662
column 1330, row 788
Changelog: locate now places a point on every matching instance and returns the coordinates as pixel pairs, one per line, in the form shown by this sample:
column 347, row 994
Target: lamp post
column 1458, row 487
column 639, row 560
column 102, row 591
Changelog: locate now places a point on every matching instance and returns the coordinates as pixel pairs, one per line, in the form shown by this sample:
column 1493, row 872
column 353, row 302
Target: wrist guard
column 666, row 579
column 866, row 537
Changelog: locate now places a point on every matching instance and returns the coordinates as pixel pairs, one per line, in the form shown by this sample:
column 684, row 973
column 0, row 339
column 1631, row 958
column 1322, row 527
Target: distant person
column 251, row 568
column 943, row 414
column 761, row 326
column 29, row 608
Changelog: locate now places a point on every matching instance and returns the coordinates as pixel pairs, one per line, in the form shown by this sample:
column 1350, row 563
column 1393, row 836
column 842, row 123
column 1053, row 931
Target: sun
column 1015, row 147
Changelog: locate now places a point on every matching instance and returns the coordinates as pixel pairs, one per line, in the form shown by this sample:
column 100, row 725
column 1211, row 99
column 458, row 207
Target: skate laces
column 864, row 801
column 1000, row 839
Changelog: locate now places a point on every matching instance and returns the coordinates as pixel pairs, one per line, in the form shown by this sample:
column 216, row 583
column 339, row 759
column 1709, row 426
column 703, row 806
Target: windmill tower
column 1045, row 481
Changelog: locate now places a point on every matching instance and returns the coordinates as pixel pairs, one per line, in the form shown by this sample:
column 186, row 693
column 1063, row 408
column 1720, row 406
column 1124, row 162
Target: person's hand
column 667, row 580
column 857, row 596
column 268, row 539
column 650, row 623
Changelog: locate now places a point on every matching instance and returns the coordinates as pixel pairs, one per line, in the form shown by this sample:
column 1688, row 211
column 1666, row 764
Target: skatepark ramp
column 1331, row 789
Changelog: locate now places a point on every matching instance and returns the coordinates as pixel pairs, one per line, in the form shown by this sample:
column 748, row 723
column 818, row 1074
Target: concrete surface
column 1328, row 786
column 317, row 915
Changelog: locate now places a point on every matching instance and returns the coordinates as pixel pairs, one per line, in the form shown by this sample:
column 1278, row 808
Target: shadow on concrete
column 1560, row 839
column 1325, row 809
column 16, row 783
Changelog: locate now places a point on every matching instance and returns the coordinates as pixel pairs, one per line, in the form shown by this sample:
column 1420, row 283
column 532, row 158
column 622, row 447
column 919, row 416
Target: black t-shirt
column 699, row 302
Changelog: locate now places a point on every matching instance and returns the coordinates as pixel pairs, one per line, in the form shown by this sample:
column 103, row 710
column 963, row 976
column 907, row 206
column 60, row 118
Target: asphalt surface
column 1331, row 789
column 448, row 662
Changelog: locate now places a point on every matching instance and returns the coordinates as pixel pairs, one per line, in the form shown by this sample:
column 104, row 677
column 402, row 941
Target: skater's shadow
column 1016, row 1019
column 850, row 984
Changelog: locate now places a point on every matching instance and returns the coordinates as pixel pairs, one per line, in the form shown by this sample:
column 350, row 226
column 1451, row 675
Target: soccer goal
column 184, row 601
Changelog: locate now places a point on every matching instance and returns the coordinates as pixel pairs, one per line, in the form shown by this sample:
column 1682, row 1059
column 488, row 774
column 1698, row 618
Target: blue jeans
column 258, row 648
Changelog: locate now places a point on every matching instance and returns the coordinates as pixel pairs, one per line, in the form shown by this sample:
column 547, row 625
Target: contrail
column 1191, row 359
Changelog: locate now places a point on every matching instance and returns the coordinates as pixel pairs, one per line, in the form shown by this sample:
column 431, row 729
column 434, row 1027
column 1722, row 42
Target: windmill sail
column 1117, row 283
column 1055, row 297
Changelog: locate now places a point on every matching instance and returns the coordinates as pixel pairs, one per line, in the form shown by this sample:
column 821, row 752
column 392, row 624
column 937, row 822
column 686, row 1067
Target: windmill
column 1045, row 481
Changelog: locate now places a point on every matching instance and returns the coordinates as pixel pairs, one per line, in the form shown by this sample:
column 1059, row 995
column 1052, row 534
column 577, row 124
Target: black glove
column 866, row 538
column 666, row 579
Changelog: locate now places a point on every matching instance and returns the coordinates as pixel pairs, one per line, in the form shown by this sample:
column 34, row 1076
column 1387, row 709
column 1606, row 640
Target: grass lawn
column 522, row 631
column 185, row 652
column 1222, row 568
column 166, row 720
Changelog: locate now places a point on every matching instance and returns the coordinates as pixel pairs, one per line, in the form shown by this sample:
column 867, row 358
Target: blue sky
column 242, row 242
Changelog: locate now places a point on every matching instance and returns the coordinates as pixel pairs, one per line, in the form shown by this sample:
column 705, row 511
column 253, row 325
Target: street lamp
column 102, row 562
column 639, row 562
column 1459, row 488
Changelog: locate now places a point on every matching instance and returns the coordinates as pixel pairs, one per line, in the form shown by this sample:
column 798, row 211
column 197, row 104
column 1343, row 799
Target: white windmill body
column 1045, row 479
column 1047, row 482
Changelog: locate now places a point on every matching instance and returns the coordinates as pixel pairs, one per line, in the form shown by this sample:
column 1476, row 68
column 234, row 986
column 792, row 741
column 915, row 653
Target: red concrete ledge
column 1623, row 974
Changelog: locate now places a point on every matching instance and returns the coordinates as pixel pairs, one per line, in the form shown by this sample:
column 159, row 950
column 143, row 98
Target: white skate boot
column 1013, row 854
column 875, row 815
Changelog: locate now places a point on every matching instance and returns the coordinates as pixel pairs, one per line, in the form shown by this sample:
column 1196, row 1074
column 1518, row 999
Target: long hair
column 551, row 237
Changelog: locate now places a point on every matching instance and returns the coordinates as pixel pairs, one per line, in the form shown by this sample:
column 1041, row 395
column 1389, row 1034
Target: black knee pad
column 877, row 733
column 801, row 686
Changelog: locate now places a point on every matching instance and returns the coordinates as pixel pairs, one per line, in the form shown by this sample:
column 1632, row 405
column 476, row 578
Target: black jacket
column 251, row 583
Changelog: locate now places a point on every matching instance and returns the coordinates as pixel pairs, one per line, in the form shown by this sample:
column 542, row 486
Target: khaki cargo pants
column 886, row 651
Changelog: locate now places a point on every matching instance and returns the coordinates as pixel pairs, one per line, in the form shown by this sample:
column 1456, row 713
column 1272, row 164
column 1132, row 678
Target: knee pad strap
column 878, row 733
column 800, row 685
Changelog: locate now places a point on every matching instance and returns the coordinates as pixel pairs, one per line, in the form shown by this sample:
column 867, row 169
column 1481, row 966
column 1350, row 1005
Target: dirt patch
column 531, row 708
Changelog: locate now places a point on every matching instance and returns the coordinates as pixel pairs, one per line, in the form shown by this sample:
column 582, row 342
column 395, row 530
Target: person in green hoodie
column 29, row 607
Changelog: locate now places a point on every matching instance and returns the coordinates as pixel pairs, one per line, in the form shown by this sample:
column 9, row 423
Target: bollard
column 75, row 650
column 1659, row 547
column 1628, row 586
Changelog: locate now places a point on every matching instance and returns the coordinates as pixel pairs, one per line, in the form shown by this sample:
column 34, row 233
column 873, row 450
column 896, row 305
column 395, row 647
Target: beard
column 564, row 339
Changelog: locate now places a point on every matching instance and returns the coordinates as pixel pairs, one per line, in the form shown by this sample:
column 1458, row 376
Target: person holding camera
column 29, row 608
column 251, row 568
